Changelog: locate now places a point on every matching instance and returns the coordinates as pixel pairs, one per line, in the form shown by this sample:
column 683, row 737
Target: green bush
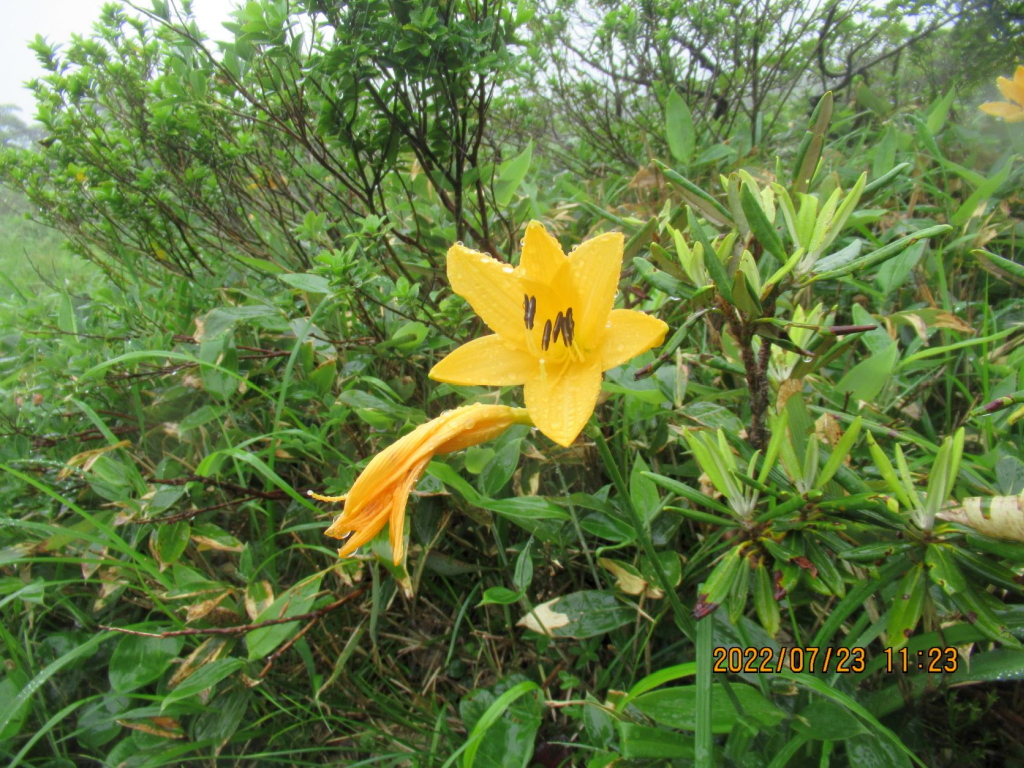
column 824, row 454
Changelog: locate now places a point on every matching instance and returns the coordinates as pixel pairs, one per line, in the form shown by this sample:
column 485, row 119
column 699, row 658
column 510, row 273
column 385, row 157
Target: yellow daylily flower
column 1011, row 110
column 380, row 493
column 555, row 330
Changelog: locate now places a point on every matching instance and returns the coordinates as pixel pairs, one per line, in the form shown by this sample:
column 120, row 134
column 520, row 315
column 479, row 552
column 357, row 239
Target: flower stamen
column 530, row 310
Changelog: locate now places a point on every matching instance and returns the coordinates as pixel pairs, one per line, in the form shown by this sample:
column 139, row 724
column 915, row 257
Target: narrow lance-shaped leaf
column 888, row 472
column 719, row 583
column 764, row 230
column 906, row 608
column 839, row 453
column 693, row 191
column 712, row 263
column 679, row 128
column 765, row 605
column 809, row 151
column 882, row 254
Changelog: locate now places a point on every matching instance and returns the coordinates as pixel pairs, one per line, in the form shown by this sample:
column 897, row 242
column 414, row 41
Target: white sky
column 56, row 20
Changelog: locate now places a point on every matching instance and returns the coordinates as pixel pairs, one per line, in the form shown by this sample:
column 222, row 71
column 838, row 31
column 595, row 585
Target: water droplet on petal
column 507, row 270
column 460, row 243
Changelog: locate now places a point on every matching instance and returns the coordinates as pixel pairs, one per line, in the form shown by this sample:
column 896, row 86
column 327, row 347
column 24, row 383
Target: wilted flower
column 381, row 492
column 1011, row 110
column 554, row 327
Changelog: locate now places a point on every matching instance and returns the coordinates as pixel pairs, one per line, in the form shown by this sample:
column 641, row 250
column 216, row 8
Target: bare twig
column 312, row 616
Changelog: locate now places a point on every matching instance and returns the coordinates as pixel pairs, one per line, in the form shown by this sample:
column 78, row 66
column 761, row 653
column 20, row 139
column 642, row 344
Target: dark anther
column 546, row 338
column 559, row 327
column 530, row 310
column 569, row 328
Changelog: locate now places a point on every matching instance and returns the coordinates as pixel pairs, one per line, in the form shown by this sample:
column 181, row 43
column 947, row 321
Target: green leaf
column 871, row 100
column 827, row 721
column 478, row 457
column 679, row 128
column 939, row 111
column 8, row 691
column 831, row 693
column 500, row 469
column 139, row 660
column 713, row 264
column 943, row 569
column 719, row 583
column 676, row 707
column 1005, row 269
column 306, row 282
column 809, row 151
column 907, row 607
column 200, row 416
column 765, row 605
column 511, row 176
column 865, row 380
column 293, row 601
column 839, row 453
column 885, row 153
column 579, row 614
column 12, row 708
column 643, row 491
column 523, row 574
column 866, row 262
column 502, row 735
column 205, row 677
column 764, row 230
column 170, row 540
column 500, row 596
column 642, row 741
column 984, row 191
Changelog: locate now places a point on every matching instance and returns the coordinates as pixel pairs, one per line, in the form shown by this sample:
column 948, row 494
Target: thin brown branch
column 319, row 613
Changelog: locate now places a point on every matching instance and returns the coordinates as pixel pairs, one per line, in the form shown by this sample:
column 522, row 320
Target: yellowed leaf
column 543, row 619
column 167, row 727
column 258, row 596
column 626, row 581
column 1001, row 517
column 209, row 650
column 86, row 459
column 199, row 610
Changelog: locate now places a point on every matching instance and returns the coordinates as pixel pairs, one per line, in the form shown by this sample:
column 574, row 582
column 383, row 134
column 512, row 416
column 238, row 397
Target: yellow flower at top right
column 1011, row 110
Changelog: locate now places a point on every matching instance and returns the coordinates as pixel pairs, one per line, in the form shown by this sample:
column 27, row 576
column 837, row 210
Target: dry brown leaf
column 209, row 650
column 86, row 459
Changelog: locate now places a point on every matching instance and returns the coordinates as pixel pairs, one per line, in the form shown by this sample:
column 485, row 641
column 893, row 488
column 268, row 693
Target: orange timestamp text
column 838, row 660
column 797, row 659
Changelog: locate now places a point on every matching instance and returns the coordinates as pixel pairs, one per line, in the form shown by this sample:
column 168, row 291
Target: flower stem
column 683, row 620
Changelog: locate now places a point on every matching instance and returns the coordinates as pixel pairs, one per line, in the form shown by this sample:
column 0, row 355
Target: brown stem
column 319, row 613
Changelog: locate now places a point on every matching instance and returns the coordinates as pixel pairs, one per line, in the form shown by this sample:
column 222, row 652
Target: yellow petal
column 560, row 398
column 1004, row 109
column 595, row 276
column 1011, row 90
column 491, row 288
column 396, row 531
column 631, row 333
column 542, row 257
column 1018, row 77
column 486, row 423
column 489, row 361
column 387, row 468
column 364, row 534
column 381, row 492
